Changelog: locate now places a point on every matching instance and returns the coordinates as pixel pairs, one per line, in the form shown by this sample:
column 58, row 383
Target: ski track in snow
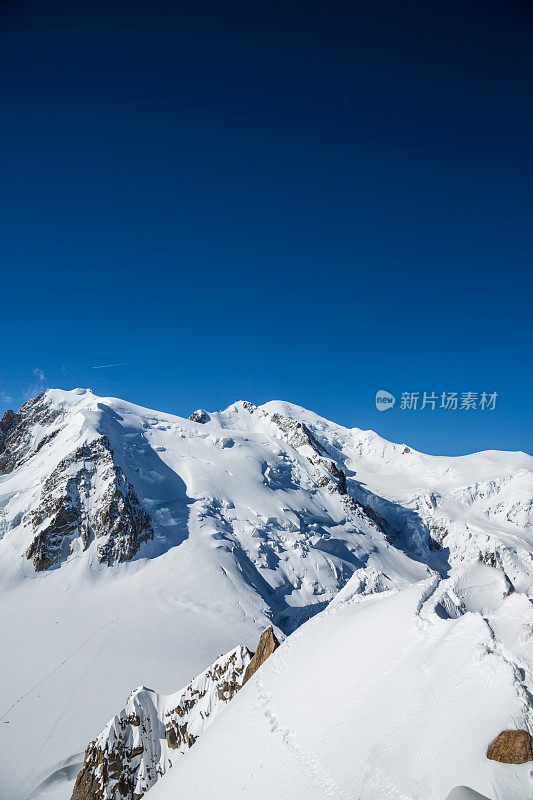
column 311, row 764
column 74, row 689
column 56, row 669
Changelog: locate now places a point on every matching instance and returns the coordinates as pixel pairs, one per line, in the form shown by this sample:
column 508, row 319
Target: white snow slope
column 380, row 696
column 250, row 525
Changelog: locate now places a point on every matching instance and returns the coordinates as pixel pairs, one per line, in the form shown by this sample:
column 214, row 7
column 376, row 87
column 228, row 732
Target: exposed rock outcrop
column 7, row 423
column 437, row 535
column 87, row 496
column 147, row 737
column 24, row 433
column 267, row 644
column 490, row 558
column 297, row 433
column 511, row 747
column 152, row 731
column 200, row 416
column 342, row 482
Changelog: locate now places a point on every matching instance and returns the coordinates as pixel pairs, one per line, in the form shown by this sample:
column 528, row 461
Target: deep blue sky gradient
column 273, row 200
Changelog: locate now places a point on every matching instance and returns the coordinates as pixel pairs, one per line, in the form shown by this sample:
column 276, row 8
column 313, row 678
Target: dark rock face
column 7, row 423
column 343, row 489
column 114, row 514
column 490, row 559
column 225, row 676
column 511, row 747
column 87, row 786
column 331, row 467
column 16, row 428
column 267, row 644
column 200, row 416
column 297, row 434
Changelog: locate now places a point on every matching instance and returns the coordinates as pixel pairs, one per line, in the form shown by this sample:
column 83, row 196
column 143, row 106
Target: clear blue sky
column 272, row 201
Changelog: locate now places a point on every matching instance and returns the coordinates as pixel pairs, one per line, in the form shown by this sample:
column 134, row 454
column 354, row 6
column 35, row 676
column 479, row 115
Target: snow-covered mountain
column 136, row 546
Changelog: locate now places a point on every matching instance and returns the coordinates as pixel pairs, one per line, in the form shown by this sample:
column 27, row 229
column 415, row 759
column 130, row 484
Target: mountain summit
column 136, row 546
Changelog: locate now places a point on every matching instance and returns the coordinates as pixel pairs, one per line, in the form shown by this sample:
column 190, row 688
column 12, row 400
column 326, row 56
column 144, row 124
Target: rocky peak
column 24, row 433
column 153, row 731
column 297, row 433
column 87, row 497
column 6, row 423
column 200, row 416
column 267, row 644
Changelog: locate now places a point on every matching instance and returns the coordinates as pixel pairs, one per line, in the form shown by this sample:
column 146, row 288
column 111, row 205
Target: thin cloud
column 5, row 398
column 108, row 366
column 37, row 386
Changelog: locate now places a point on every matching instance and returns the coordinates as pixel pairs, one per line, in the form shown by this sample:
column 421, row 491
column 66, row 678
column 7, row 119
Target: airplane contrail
column 106, row 366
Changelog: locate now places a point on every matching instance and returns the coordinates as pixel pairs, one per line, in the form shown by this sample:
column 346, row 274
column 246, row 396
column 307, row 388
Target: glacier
column 377, row 565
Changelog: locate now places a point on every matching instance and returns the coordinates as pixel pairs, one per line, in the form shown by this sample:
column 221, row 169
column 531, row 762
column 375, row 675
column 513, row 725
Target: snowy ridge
column 396, row 694
column 152, row 731
column 136, row 545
